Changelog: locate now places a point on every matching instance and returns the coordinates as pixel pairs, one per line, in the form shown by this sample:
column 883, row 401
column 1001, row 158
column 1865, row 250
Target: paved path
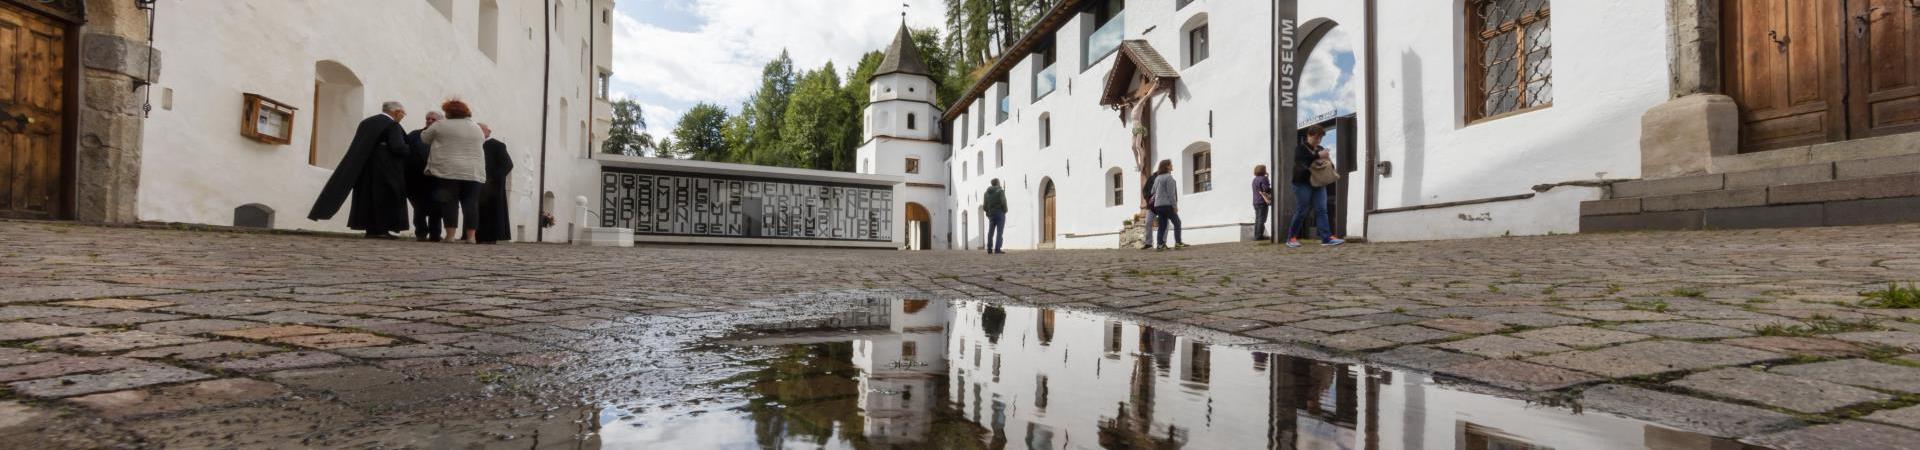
column 176, row 337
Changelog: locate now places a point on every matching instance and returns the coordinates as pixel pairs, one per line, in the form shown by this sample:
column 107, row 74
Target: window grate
column 1514, row 68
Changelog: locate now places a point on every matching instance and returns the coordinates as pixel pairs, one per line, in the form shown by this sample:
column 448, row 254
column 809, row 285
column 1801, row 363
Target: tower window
column 913, row 165
column 913, row 121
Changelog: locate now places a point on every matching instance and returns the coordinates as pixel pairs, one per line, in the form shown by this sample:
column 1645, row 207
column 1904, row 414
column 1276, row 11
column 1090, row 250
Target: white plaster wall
column 197, row 168
column 1552, row 212
column 1610, row 67
column 1223, row 101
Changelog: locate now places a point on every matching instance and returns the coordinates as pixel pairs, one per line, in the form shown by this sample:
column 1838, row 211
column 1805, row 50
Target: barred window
column 1203, row 171
column 1511, row 44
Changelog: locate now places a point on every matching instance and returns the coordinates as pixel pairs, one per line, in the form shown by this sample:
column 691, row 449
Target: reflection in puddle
column 925, row 374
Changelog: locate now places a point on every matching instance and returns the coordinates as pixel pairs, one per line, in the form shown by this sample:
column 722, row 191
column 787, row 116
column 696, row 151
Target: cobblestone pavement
column 114, row 337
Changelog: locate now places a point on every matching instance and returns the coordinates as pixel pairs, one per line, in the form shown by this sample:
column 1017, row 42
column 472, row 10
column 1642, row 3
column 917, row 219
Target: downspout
column 593, row 78
column 1372, row 115
column 546, row 109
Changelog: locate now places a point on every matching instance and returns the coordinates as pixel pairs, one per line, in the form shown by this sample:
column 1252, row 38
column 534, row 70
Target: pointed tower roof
column 903, row 56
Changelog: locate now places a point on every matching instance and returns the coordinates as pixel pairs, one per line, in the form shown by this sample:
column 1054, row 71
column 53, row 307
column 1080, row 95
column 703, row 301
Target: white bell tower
column 903, row 139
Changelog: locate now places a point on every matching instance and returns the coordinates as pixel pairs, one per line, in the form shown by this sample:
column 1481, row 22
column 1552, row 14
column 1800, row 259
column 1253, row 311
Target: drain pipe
column 546, row 108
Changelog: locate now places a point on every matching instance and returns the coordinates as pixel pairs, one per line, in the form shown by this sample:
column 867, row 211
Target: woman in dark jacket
column 1310, row 198
column 494, row 223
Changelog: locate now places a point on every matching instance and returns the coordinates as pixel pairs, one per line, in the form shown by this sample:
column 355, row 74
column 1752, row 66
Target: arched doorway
column 338, row 106
column 919, row 227
column 1303, row 40
column 1048, row 213
column 38, row 48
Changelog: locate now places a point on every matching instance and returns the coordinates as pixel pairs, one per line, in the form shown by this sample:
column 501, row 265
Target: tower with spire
column 903, row 139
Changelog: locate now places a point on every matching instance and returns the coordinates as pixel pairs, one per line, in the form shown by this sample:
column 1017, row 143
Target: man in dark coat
column 420, row 186
column 373, row 172
column 494, row 224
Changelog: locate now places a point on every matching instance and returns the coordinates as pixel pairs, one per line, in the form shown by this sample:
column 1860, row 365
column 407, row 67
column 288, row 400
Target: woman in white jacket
column 459, row 161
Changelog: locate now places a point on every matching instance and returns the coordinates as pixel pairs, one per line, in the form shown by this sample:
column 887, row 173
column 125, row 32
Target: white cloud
column 660, row 119
column 719, row 61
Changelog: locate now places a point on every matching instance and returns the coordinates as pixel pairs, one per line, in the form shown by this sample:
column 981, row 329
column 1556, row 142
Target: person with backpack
column 996, row 209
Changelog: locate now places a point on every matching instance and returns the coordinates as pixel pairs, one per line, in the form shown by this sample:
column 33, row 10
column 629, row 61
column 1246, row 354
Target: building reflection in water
column 927, row 374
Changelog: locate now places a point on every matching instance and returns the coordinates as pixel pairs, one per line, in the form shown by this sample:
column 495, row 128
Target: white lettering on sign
column 1288, row 79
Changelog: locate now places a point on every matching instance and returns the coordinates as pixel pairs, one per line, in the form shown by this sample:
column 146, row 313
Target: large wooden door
column 1883, row 67
column 1815, row 71
column 32, row 95
column 1047, row 216
column 1784, row 68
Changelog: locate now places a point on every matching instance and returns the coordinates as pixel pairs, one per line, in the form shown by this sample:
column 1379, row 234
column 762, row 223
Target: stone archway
column 919, row 231
column 1296, row 43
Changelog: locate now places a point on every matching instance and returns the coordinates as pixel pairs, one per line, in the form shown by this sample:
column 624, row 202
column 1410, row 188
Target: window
column 559, row 19
column 1197, row 45
column 489, row 26
column 963, row 171
column 1045, row 79
column 606, row 16
column 606, row 83
column 1202, row 171
column 963, row 131
column 909, row 351
column 1006, row 103
column 1046, row 130
column 1108, row 29
column 913, row 121
column 999, row 154
column 1117, row 184
column 1512, row 69
column 1179, row 4
column 980, row 120
column 980, row 163
column 913, row 165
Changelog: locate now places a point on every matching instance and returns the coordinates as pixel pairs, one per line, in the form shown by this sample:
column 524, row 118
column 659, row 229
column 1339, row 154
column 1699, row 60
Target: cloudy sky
column 672, row 54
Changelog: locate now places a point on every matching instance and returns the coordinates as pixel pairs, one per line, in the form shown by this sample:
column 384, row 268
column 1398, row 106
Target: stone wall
column 115, row 65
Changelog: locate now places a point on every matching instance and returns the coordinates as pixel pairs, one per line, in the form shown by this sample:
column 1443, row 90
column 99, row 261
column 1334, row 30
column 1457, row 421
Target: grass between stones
column 1818, row 325
column 1895, row 297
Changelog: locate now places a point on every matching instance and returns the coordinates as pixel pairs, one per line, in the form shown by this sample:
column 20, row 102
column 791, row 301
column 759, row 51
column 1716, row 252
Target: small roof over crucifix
column 1137, row 57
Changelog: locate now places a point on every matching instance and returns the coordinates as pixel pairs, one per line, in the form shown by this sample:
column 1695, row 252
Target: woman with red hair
column 459, row 161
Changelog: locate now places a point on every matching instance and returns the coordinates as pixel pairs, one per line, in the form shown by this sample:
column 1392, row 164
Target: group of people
column 1161, row 195
column 453, row 173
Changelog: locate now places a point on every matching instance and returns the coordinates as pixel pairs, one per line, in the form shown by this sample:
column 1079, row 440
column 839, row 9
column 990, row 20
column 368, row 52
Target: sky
column 673, row 54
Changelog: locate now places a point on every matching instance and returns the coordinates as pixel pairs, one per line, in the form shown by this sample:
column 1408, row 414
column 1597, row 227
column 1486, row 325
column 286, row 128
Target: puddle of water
column 929, row 374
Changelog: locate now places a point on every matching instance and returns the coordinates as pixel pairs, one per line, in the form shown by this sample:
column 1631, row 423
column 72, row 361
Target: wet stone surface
column 131, row 338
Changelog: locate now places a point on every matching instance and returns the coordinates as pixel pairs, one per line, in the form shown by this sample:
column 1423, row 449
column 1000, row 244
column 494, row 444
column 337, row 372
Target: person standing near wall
column 1262, row 201
column 1166, row 203
column 996, row 208
column 494, row 221
column 1311, row 198
column 420, row 186
column 460, row 163
column 373, row 173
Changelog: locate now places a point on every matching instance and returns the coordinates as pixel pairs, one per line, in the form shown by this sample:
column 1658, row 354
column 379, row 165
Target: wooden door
column 32, row 94
column 1784, row 68
column 1883, row 49
column 1047, row 217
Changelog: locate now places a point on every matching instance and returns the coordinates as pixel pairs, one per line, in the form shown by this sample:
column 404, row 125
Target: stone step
column 1840, row 202
column 1854, row 150
column 1771, row 177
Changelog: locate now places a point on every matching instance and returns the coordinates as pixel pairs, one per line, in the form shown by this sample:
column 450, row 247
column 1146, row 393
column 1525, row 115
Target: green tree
column 738, row 135
column 629, row 133
column 701, row 134
column 769, row 111
column 666, row 148
column 813, row 133
column 946, row 76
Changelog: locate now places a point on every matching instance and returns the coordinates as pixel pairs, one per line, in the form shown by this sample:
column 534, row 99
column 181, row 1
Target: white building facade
column 335, row 62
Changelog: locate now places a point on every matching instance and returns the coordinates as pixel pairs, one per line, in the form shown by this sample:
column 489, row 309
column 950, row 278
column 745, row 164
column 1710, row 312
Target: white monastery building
column 307, row 72
column 1450, row 119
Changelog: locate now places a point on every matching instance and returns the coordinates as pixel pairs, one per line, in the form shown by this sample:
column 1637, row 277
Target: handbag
column 1323, row 173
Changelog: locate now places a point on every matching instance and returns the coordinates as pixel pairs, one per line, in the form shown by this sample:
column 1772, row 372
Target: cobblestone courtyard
column 113, row 337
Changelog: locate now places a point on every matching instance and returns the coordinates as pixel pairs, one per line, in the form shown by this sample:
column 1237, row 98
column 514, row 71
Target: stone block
column 1610, row 207
column 1789, row 216
column 1706, row 200
column 1670, row 186
column 1798, row 346
column 1666, row 221
column 1859, row 372
column 605, row 237
column 1655, row 357
column 1500, row 347
column 1576, row 336
column 1745, row 162
column 1798, row 394
column 120, row 55
column 1683, row 330
column 83, row 384
column 1681, row 137
column 1869, row 148
column 1848, row 435
column 1907, row 417
column 205, row 394
column 1877, row 167
column 1422, row 358
column 1686, row 413
column 1811, row 173
column 1843, row 190
column 1520, row 376
column 1874, row 212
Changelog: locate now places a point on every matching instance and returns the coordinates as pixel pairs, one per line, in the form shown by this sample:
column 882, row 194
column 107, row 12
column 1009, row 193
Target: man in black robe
column 420, row 186
column 373, row 172
column 494, row 223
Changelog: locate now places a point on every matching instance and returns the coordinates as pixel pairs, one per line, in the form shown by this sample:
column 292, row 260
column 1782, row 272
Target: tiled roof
column 903, row 56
